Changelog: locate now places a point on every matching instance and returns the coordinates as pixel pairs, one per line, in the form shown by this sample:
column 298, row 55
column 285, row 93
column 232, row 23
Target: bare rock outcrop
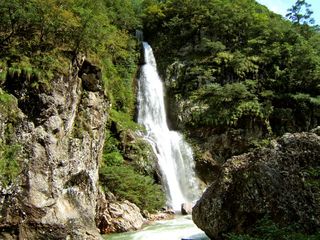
column 118, row 216
column 61, row 134
column 186, row 208
column 276, row 182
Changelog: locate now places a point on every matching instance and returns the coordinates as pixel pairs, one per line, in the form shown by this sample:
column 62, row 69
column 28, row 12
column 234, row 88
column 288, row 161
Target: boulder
column 276, row 182
column 118, row 216
column 186, row 208
column 159, row 216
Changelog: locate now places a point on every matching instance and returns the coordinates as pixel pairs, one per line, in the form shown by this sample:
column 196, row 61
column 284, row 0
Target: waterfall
column 175, row 156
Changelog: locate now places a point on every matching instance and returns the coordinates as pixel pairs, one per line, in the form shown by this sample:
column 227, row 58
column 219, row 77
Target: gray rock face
column 62, row 139
column 274, row 182
column 91, row 77
column 186, row 208
column 115, row 216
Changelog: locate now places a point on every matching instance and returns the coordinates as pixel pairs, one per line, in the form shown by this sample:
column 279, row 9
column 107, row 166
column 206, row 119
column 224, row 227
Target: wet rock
column 273, row 182
column 160, row 216
column 186, row 208
column 165, row 214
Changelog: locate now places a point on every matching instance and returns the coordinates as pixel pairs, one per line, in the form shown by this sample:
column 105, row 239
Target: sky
column 281, row 6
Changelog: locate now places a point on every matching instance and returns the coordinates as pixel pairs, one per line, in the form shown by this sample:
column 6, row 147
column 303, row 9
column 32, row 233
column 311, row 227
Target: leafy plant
column 312, row 180
column 125, row 183
column 296, row 15
column 227, row 104
column 124, row 120
column 41, row 38
column 9, row 163
column 242, row 66
column 266, row 229
column 8, row 106
column 122, row 176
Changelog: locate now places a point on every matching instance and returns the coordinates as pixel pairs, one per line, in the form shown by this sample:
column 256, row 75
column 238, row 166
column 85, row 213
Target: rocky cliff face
column 118, row 216
column 281, row 182
column 60, row 129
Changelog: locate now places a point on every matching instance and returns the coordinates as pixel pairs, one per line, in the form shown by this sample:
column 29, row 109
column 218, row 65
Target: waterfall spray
column 174, row 155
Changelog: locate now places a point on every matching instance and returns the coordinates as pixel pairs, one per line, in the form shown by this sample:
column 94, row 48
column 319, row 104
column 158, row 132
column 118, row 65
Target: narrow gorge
column 104, row 137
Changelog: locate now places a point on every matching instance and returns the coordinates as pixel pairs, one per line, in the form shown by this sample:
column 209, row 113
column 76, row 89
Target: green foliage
column 9, row 151
column 124, row 120
column 125, row 183
column 265, row 229
column 34, row 30
column 303, row 97
column 8, row 106
column 226, row 105
column 125, row 14
column 40, row 38
column 9, row 163
column 120, row 87
column 240, row 64
column 121, row 172
column 111, row 152
column 44, row 25
column 296, row 15
column 113, row 159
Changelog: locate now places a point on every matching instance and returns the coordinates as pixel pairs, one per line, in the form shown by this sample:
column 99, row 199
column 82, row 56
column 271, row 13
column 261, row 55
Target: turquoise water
column 176, row 229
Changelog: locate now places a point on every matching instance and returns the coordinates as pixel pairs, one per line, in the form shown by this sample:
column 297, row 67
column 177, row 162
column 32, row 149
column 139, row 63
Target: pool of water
column 182, row 227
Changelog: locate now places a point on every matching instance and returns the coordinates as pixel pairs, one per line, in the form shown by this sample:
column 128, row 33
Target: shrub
column 8, row 106
column 124, row 120
column 125, row 179
column 9, row 165
column 268, row 230
column 113, row 159
column 125, row 183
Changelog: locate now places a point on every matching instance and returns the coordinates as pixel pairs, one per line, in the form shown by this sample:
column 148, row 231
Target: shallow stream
column 182, row 227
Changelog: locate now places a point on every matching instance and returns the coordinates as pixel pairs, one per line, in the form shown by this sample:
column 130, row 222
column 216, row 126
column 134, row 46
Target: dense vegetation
column 242, row 65
column 10, row 151
column 40, row 39
column 268, row 230
column 238, row 73
column 127, row 168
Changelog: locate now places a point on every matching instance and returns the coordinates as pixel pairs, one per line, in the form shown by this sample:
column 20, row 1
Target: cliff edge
column 60, row 129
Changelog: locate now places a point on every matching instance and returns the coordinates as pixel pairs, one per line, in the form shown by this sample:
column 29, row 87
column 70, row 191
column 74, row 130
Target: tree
column 298, row 16
column 124, row 14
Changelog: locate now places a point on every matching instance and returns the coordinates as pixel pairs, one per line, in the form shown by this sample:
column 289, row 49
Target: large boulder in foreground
column 278, row 182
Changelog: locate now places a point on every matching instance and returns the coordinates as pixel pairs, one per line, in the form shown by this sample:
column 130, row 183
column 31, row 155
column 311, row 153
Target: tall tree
column 300, row 12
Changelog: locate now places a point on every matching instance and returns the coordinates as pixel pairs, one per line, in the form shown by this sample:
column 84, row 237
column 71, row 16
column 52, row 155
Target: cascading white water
column 174, row 154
